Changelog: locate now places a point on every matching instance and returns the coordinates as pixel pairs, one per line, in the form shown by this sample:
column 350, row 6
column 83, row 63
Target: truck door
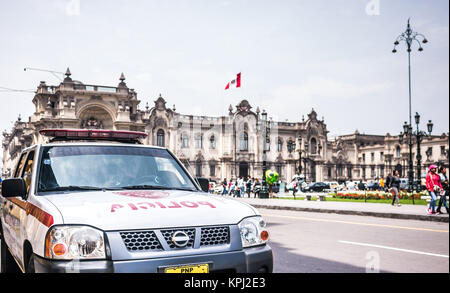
column 9, row 212
column 17, row 209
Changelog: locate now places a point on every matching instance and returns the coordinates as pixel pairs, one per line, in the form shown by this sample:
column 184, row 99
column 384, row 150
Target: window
column 212, row 142
column 372, row 171
column 212, row 170
column 98, row 167
column 20, row 165
column 443, row 150
column 279, row 145
column 339, row 170
column 364, row 157
column 28, row 169
column 198, row 141
column 372, row 157
column 349, row 171
column 244, row 141
column 290, row 146
column 313, row 146
column 184, row 141
column 198, row 168
column 329, row 172
column 398, row 152
column 382, row 156
column 160, row 138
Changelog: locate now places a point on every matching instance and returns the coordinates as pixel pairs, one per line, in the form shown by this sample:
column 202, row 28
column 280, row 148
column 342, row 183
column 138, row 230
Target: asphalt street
column 305, row 242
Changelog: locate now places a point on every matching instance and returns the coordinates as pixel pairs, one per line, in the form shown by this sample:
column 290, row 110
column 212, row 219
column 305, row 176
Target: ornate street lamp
column 264, row 193
column 299, row 155
column 409, row 37
column 408, row 132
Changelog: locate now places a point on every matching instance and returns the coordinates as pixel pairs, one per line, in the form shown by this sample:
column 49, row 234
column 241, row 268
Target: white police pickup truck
column 77, row 204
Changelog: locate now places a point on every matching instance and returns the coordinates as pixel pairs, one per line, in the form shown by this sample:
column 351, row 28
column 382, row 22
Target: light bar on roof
column 92, row 134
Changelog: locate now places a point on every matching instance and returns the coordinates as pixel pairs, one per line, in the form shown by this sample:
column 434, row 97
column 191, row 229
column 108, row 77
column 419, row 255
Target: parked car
column 90, row 206
column 334, row 186
column 318, row 187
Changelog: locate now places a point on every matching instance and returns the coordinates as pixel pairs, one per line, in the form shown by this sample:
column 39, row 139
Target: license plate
column 196, row 269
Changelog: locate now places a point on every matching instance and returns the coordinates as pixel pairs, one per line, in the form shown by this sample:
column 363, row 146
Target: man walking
column 249, row 186
column 224, row 185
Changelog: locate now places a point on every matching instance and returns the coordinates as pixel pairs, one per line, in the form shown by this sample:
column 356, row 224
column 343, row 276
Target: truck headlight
column 253, row 231
column 75, row 242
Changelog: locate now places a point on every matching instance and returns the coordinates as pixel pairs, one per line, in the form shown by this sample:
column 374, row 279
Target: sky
column 333, row 56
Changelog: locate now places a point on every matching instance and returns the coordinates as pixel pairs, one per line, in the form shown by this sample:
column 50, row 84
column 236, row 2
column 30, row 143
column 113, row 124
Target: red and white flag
column 235, row 83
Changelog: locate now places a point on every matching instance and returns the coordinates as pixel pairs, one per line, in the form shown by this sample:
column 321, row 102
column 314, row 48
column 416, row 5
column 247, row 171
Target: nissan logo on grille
column 180, row 239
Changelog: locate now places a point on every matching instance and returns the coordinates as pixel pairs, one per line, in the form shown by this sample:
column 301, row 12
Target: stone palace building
column 218, row 147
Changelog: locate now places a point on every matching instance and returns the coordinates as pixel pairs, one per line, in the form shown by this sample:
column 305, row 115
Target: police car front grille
column 169, row 233
column 136, row 241
column 141, row 241
column 215, row 236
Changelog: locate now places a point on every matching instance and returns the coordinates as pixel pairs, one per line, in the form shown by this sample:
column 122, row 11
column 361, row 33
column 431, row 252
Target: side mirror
column 204, row 183
column 14, row 187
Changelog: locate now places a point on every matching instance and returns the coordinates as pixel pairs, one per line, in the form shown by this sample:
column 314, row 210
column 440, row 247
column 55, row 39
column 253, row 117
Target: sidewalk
column 412, row 212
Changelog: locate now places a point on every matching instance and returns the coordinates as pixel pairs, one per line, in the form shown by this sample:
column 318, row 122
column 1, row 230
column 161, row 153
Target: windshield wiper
column 73, row 187
column 156, row 187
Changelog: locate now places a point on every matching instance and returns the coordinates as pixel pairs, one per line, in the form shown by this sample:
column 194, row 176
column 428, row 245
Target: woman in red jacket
column 434, row 188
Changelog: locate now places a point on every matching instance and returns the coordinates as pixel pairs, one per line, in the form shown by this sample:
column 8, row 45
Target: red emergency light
column 71, row 134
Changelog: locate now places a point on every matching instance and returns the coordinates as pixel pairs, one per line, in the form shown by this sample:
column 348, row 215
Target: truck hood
column 148, row 209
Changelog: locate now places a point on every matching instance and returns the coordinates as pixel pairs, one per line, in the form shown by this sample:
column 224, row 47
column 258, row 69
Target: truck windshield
column 81, row 168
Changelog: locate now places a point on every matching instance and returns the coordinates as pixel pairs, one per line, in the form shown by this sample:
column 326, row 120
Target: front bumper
column 249, row 260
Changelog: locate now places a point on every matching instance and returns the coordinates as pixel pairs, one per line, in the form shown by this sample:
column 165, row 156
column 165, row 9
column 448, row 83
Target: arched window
column 184, row 141
column 160, row 138
column 290, row 146
column 244, row 141
column 279, row 145
column 398, row 152
column 313, row 146
column 212, row 142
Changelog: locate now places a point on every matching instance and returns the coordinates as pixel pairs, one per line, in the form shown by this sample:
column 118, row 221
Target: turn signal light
column 264, row 235
column 59, row 249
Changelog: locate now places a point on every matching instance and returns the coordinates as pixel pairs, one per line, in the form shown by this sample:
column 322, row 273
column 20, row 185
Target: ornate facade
column 216, row 147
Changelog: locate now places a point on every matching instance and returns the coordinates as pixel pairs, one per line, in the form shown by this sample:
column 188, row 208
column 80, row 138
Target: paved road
column 305, row 242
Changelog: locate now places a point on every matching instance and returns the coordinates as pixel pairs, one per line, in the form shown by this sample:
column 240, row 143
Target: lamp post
column 264, row 193
column 299, row 155
column 419, row 135
column 409, row 37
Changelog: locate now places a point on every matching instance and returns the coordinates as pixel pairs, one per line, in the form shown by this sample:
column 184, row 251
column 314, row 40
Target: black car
column 318, row 187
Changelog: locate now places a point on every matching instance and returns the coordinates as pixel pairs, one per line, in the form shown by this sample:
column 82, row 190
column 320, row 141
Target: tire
column 30, row 265
column 7, row 263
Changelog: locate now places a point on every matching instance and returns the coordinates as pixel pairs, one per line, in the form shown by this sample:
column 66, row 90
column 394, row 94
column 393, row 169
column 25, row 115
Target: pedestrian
column 294, row 186
column 249, row 186
column 444, row 192
column 381, row 183
column 387, row 183
column 394, row 186
column 361, row 185
column 256, row 188
column 434, row 188
column 224, row 185
column 241, row 187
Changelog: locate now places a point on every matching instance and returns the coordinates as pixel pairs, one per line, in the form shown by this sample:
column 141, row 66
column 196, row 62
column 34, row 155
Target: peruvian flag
column 235, row 83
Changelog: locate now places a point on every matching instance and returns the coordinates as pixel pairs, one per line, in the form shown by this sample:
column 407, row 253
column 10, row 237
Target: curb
column 357, row 213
